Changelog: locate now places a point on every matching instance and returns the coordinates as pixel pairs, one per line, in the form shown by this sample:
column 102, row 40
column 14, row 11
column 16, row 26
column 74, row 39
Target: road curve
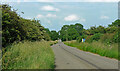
column 67, row 57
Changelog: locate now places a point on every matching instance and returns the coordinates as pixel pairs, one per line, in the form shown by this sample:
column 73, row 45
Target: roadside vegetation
column 102, row 40
column 25, row 42
column 16, row 29
column 29, row 55
column 96, row 47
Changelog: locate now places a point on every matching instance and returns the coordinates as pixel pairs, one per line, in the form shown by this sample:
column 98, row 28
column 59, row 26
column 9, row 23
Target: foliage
column 16, row 28
column 107, row 38
column 37, row 55
column 115, row 37
column 47, row 31
column 93, row 30
column 54, row 35
column 63, row 32
column 71, row 32
column 79, row 39
column 88, row 39
column 112, row 29
column 96, row 47
column 79, row 28
column 77, row 32
column 94, row 37
column 116, row 23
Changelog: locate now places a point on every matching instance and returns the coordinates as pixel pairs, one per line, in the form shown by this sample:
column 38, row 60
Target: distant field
column 29, row 55
column 96, row 47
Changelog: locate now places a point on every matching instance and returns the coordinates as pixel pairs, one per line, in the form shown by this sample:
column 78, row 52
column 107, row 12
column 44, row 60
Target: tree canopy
column 71, row 32
column 77, row 32
column 16, row 28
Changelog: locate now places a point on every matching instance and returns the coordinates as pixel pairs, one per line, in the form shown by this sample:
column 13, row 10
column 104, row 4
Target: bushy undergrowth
column 96, row 47
column 94, row 37
column 79, row 39
column 29, row 55
column 115, row 38
column 108, row 38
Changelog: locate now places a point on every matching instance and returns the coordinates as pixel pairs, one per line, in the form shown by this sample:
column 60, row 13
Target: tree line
column 104, row 34
column 16, row 29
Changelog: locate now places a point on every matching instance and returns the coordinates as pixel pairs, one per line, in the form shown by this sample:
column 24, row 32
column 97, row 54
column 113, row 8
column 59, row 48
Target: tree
column 115, row 23
column 54, row 35
column 79, row 28
column 101, row 29
column 16, row 28
column 71, row 32
column 63, row 32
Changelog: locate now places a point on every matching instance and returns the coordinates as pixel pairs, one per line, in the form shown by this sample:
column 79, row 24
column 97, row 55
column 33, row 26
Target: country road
column 67, row 57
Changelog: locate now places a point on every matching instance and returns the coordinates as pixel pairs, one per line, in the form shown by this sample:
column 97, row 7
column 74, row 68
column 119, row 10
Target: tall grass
column 96, row 47
column 29, row 55
column 0, row 59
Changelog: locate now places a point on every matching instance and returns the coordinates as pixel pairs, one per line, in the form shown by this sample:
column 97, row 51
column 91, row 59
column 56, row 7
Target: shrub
column 116, row 37
column 95, row 37
column 79, row 39
column 89, row 39
column 107, row 38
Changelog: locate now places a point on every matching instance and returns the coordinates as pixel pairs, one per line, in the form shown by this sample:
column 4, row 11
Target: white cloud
column 71, row 18
column 49, row 8
column 40, row 16
column 51, row 15
column 74, row 17
column 48, row 15
column 104, row 17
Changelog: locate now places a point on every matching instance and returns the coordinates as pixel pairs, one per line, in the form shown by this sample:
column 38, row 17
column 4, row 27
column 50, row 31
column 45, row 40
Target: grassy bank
column 96, row 47
column 29, row 55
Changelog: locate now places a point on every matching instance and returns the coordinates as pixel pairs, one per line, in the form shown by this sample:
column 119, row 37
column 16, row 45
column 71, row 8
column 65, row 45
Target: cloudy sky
column 54, row 15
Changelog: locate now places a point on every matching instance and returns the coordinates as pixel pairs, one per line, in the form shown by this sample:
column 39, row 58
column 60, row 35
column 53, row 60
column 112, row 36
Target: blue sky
column 54, row 15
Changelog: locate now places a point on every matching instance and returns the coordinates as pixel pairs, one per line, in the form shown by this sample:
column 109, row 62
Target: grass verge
column 96, row 47
column 29, row 55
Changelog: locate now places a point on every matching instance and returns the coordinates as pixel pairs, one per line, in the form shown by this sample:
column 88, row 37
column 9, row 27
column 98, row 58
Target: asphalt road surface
column 67, row 57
